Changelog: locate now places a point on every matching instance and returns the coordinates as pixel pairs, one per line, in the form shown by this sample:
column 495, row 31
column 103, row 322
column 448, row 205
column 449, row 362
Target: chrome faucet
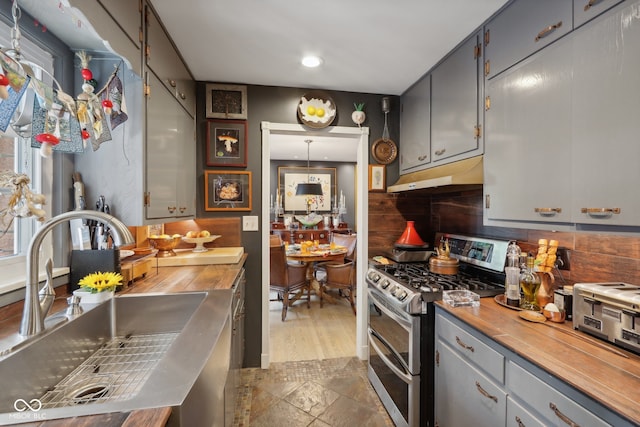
column 37, row 304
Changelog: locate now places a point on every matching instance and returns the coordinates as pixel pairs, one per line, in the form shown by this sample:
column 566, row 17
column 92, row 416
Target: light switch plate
column 250, row 223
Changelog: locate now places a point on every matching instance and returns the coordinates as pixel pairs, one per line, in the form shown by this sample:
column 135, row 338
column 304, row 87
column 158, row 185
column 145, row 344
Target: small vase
column 410, row 236
column 547, row 288
column 87, row 297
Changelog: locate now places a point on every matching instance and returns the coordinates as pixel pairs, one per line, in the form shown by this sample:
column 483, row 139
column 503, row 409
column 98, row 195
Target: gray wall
column 278, row 104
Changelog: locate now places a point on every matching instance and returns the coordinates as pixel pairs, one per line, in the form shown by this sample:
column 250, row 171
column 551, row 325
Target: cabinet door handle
column 421, row 158
column 568, row 421
column 183, row 96
column 600, row 212
column 548, row 211
column 182, row 209
column 172, row 83
column 545, row 32
column 591, row 3
column 171, row 209
column 440, row 152
column 485, row 393
column 465, row 346
column 519, row 421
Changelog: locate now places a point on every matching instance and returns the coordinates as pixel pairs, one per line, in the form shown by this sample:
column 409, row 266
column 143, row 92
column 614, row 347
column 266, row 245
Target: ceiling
column 379, row 47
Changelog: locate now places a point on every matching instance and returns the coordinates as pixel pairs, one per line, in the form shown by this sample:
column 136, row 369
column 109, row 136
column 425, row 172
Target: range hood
column 461, row 173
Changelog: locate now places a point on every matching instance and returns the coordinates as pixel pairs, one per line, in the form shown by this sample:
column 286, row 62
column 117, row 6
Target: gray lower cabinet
column 528, row 139
column 480, row 383
column 551, row 406
column 456, row 93
column 467, row 394
column 523, row 28
column 606, row 107
column 170, row 153
column 232, row 385
column 415, row 126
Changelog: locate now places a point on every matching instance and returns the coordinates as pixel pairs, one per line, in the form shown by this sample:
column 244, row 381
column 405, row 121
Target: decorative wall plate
column 316, row 109
column 384, row 151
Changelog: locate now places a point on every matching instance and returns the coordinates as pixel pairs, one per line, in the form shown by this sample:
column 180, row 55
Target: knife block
column 92, row 261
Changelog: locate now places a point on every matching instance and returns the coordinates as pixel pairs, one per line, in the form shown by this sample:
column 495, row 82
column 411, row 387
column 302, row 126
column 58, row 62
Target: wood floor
column 312, row 334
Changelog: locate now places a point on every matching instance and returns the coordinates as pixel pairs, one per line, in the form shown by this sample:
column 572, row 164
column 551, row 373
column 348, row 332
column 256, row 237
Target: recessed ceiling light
column 311, row 61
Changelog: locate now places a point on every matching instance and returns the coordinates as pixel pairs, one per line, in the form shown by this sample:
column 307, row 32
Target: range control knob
column 402, row 295
column 373, row 276
column 385, row 283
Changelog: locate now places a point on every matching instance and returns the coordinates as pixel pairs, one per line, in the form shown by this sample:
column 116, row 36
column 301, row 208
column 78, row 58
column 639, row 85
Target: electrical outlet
column 250, row 223
column 562, row 259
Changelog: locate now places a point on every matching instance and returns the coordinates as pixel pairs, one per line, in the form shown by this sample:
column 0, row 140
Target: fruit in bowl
column 310, row 220
column 199, row 238
column 165, row 244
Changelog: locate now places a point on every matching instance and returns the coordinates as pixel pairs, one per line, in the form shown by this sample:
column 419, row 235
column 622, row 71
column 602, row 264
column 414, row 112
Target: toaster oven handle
column 592, row 301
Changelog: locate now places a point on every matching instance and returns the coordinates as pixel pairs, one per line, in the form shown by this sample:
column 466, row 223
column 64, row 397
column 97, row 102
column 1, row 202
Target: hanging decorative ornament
column 85, row 134
column 108, row 106
column 85, row 72
column 48, row 141
column 4, row 82
column 115, row 93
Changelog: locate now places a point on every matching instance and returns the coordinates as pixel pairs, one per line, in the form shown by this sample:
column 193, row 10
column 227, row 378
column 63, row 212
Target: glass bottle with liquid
column 512, row 272
column 530, row 284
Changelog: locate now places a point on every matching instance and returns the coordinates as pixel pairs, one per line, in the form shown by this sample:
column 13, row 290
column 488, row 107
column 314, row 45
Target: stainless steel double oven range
column 402, row 319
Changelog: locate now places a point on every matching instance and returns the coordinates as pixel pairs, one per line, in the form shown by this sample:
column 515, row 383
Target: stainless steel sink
column 133, row 352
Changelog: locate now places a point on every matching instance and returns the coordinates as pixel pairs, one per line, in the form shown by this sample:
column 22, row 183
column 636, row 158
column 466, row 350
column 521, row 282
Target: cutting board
column 227, row 255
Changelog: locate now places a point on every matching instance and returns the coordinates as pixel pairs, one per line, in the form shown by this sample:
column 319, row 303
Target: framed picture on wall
column 377, row 178
column 227, row 143
column 290, row 177
column 227, row 190
column 226, row 101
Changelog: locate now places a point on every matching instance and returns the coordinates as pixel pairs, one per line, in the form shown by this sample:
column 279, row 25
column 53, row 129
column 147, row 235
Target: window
column 16, row 154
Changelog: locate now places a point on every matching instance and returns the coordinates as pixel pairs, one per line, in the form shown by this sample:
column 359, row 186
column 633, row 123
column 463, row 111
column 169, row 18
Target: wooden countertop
column 602, row 371
column 160, row 279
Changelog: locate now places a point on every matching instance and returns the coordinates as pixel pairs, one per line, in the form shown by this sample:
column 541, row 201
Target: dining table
column 321, row 253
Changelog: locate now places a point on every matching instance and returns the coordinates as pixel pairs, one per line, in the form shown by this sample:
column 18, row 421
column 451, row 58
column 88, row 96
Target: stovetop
column 409, row 285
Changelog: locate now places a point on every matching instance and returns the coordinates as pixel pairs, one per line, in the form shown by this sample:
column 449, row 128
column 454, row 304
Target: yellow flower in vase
column 100, row 282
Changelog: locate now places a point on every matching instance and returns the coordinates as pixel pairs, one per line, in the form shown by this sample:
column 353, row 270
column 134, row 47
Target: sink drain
column 89, row 393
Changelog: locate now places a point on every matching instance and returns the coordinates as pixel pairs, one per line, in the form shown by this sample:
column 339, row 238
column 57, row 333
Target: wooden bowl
column 440, row 265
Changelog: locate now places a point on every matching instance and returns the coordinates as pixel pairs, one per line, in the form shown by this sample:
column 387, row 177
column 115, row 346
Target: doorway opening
column 357, row 140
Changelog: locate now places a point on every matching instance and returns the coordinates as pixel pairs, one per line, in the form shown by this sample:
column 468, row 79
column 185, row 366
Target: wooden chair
column 349, row 241
column 341, row 277
column 287, row 279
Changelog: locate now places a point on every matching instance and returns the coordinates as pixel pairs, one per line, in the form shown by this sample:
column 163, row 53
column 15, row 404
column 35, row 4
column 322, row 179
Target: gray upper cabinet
column 455, row 97
column 521, row 29
column 170, row 155
column 120, row 23
column 415, row 149
column 606, row 107
column 585, row 10
column 163, row 59
column 128, row 15
column 528, row 139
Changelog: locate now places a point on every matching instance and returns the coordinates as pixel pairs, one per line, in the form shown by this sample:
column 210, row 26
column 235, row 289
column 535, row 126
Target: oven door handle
column 405, row 376
column 394, row 316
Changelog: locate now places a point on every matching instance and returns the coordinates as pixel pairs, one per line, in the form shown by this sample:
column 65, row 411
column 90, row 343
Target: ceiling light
column 311, row 61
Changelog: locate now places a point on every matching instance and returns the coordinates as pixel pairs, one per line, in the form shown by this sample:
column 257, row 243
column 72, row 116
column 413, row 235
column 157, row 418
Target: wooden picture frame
column 377, row 178
column 227, row 190
column 227, row 143
column 226, row 101
column 290, row 177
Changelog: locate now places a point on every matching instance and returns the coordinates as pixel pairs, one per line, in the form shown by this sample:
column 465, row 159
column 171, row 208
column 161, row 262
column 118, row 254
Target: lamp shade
column 309, row 189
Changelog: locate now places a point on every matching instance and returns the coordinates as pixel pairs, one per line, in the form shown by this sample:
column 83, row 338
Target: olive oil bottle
column 530, row 284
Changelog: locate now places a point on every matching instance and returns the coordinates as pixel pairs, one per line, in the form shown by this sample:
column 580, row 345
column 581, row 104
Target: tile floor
column 314, row 393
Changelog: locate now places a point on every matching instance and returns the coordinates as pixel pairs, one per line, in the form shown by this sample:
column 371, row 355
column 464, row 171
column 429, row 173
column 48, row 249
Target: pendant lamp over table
column 308, row 188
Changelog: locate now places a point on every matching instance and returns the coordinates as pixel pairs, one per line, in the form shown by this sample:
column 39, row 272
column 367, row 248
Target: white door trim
column 361, row 137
